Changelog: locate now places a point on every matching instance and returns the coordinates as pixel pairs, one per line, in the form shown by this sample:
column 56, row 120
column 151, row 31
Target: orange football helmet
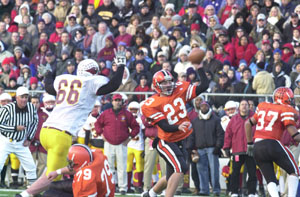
column 79, row 156
column 283, row 95
column 163, row 82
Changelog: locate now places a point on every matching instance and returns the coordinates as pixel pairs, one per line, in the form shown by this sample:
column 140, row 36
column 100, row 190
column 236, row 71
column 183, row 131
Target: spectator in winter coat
column 98, row 41
column 279, row 76
column 245, row 50
column 207, row 139
column 235, row 139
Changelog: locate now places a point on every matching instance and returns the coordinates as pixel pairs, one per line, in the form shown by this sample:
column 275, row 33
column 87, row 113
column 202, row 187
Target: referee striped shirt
column 12, row 116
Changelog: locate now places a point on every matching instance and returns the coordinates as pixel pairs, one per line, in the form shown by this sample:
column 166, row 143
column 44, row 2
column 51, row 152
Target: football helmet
column 231, row 108
column 87, row 67
column 79, row 156
column 134, row 108
column 163, row 82
column 283, row 95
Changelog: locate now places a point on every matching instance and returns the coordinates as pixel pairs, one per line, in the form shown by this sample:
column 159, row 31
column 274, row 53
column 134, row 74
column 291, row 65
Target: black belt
column 66, row 132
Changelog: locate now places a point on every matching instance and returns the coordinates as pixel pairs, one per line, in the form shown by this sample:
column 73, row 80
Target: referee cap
column 22, row 90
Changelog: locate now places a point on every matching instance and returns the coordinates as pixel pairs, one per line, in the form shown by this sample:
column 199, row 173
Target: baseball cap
column 72, row 16
column 161, row 53
column 59, row 24
column 117, row 96
column 261, row 16
column 195, row 26
column 223, row 74
column 294, row 15
column 70, row 62
column 49, row 53
column 266, row 42
column 21, row 91
column 277, row 51
column 18, row 48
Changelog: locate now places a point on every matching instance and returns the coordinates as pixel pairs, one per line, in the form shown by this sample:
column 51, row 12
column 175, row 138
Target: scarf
column 87, row 41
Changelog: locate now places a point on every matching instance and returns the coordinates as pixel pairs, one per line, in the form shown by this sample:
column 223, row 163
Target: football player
column 167, row 110
column 271, row 119
column 75, row 96
column 92, row 176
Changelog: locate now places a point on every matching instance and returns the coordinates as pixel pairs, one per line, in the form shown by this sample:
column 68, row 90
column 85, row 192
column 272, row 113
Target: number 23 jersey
column 272, row 119
column 95, row 179
column 75, row 99
column 172, row 108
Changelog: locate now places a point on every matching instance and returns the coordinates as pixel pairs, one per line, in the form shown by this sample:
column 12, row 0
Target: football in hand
column 196, row 56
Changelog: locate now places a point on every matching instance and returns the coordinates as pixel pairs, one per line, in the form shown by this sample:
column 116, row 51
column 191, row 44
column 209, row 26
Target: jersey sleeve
column 188, row 89
column 152, row 114
column 255, row 116
column 97, row 82
column 287, row 117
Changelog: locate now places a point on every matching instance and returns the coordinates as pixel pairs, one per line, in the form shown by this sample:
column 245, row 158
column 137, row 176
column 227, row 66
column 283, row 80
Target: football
column 196, row 56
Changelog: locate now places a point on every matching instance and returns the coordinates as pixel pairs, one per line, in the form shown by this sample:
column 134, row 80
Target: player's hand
column 20, row 128
column 120, row 58
column 185, row 126
column 52, row 175
column 44, row 69
column 250, row 147
column 26, row 143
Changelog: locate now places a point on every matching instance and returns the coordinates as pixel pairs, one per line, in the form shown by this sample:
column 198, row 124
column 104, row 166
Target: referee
column 18, row 123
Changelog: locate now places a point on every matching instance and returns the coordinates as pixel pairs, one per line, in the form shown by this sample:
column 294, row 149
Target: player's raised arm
column 116, row 80
column 46, row 72
column 204, row 81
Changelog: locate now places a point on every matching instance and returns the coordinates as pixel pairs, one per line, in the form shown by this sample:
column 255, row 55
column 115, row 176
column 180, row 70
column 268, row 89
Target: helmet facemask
column 167, row 86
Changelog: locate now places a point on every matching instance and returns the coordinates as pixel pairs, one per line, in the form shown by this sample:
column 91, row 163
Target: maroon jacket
column 42, row 118
column 235, row 135
column 115, row 127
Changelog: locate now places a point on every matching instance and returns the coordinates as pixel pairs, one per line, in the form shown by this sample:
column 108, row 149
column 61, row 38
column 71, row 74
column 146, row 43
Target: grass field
column 11, row 193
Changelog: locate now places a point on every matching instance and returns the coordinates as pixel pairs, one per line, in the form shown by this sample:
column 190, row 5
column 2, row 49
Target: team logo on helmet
column 87, row 67
column 283, row 95
column 163, row 82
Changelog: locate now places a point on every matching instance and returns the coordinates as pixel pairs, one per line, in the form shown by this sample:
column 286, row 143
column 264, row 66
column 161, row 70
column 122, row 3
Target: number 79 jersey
column 272, row 119
column 95, row 179
column 172, row 108
column 75, row 98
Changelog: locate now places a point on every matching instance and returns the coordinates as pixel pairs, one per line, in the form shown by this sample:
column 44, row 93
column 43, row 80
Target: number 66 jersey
column 272, row 119
column 94, row 179
column 172, row 108
column 75, row 98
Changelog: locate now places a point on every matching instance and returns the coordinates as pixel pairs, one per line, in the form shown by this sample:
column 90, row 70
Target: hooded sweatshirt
column 18, row 18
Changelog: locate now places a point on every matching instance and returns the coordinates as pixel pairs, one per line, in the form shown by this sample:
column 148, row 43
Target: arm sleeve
column 220, row 134
column 164, row 125
column 135, row 127
column 204, row 82
column 33, row 126
column 228, row 136
column 4, row 116
column 98, row 125
column 113, row 84
column 49, row 87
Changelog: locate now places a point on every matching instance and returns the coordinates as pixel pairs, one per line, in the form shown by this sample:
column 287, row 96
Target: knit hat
column 18, row 48
column 33, row 80
column 277, row 51
column 24, row 60
column 176, row 18
column 6, row 61
column 172, row 38
column 243, row 62
column 261, row 65
column 170, row 6
column 190, row 71
column 195, row 26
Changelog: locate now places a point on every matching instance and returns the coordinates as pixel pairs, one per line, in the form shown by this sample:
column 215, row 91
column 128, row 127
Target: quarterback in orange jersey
column 92, row 174
column 167, row 111
column 271, row 119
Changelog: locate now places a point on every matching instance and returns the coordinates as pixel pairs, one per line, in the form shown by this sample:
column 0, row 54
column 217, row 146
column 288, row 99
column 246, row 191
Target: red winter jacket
column 115, row 128
column 245, row 52
column 235, row 135
column 230, row 50
column 223, row 57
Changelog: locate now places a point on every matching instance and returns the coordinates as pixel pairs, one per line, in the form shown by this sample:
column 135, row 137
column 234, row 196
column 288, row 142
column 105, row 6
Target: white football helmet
column 87, row 67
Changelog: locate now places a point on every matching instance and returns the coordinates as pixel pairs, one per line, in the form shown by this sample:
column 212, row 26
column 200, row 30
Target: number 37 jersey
column 75, row 98
column 172, row 108
column 272, row 119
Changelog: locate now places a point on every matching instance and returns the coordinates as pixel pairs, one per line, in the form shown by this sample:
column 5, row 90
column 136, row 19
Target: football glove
column 44, row 69
column 120, row 58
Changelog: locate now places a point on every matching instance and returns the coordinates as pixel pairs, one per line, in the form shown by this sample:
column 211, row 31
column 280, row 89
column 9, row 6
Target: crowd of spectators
column 251, row 46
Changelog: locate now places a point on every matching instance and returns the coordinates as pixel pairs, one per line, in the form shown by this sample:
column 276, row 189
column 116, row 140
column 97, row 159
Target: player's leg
column 15, row 165
column 174, row 157
column 287, row 162
column 139, row 165
column 57, row 145
column 130, row 157
column 263, row 151
column 60, row 188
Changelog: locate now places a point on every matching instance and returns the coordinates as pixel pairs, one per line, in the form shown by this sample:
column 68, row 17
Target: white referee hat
column 22, row 90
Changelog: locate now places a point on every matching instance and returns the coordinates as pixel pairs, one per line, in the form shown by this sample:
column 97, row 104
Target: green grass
column 11, row 193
